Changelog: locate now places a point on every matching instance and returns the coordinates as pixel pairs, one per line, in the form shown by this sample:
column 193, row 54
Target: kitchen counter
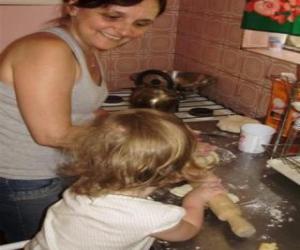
column 269, row 200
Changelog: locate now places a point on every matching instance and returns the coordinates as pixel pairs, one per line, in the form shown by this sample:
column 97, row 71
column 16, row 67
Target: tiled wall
column 193, row 35
column 209, row 39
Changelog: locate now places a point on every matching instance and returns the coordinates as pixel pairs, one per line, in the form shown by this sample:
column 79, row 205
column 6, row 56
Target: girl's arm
column 194, row 203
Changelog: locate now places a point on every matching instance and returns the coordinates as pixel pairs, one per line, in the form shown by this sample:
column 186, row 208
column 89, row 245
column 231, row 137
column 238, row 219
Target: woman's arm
column 44, row 71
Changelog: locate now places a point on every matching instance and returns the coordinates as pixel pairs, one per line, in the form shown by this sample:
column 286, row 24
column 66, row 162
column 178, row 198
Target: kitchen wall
column 155, row 50
column 209, row 39
column 193, row 35
column 17, row 21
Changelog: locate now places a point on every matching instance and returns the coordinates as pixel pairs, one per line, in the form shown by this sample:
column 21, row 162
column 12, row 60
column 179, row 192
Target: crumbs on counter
column 165, row 245
column 277, row 215
column 268, row 246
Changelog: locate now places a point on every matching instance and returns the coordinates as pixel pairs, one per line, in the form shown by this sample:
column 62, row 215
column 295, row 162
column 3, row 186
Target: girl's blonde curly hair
column 129, row 150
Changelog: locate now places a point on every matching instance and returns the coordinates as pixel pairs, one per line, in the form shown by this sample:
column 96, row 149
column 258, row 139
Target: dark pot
column 151, row 97
column 154, row 89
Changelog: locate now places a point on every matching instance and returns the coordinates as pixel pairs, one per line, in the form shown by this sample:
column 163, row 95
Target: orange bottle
column 281, row 96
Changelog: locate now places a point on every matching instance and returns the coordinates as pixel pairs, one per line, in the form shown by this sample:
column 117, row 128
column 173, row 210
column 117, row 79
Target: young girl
column 121, row 161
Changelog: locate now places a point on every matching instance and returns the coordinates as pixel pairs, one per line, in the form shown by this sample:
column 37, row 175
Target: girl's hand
column 206, row 190
column 204, row 148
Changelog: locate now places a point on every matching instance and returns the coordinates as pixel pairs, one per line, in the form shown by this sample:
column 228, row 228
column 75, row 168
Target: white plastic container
column 253, row 137
column 276, row 41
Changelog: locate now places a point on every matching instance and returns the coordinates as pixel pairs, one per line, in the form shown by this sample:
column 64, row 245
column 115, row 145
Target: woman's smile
column 110, row 36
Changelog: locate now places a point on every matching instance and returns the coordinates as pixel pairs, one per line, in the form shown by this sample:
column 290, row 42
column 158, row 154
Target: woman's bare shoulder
column 39, row 45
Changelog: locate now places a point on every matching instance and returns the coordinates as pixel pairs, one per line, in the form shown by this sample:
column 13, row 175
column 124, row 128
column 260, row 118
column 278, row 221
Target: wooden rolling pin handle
column 223, row 207
column 241, row 227
column 226, row 210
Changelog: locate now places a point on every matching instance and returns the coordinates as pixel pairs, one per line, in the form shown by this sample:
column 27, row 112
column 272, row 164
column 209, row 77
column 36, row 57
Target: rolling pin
column 226, row 210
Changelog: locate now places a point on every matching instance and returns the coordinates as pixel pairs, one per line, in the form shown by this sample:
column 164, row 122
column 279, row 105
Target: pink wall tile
column 163, row 62
column 198, row 24
column 126, row 64
column 187, row 5
column 194, row 49
column 166, row 22
column 217, row 7
column 278, row 67
column 254, row 68
column 235, row 8
column 185, row 22
column 248, row 94
column 233, row 33
column 180, row 62
column 213, row 29
column 173, row 5
column 212, row 53
column 182, row 42
column 227, row 85
column 198, row 6
column 160, row 42
column 231, row 61
column 134, row 47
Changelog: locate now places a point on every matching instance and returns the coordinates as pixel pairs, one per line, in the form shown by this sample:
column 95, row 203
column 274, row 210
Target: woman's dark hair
column 98, row 3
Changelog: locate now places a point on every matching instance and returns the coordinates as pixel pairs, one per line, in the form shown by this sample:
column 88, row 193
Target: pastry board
column 285, row 168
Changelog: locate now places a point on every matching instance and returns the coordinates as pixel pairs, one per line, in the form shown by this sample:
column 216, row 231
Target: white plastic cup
column 253, row 137
column 276, row 41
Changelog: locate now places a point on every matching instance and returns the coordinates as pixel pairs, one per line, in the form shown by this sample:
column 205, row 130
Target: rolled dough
column 268, row 246
column 181, row 191
column 233, row 123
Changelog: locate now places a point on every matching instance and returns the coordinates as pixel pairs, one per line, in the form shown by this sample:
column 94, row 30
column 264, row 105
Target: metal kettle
column 154, row 89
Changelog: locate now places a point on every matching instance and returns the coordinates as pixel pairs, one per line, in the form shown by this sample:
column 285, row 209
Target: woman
column 51, row 84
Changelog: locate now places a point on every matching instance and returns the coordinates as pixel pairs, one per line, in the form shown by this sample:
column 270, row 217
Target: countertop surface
column 269, row 200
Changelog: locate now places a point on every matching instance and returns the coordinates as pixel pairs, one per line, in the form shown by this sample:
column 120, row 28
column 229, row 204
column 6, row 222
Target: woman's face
column 112, row 26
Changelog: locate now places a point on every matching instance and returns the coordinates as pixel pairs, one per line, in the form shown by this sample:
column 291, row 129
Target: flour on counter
column 265, row 237
column 277, row 214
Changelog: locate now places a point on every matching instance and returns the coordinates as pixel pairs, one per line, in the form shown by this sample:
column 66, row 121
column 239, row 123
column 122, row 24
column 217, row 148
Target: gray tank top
column 20, row 156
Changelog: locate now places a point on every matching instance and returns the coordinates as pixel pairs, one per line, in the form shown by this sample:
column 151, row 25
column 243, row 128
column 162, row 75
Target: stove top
column 193, row 101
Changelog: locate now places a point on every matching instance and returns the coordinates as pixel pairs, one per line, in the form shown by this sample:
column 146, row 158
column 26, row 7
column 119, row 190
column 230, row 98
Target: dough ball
column 268, row 246
column 234, row 198
column 207, row 161
column 234, row 123
column 181, row 191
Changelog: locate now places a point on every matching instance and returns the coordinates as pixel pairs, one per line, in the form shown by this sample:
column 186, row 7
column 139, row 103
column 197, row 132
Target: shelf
column 285, row 55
